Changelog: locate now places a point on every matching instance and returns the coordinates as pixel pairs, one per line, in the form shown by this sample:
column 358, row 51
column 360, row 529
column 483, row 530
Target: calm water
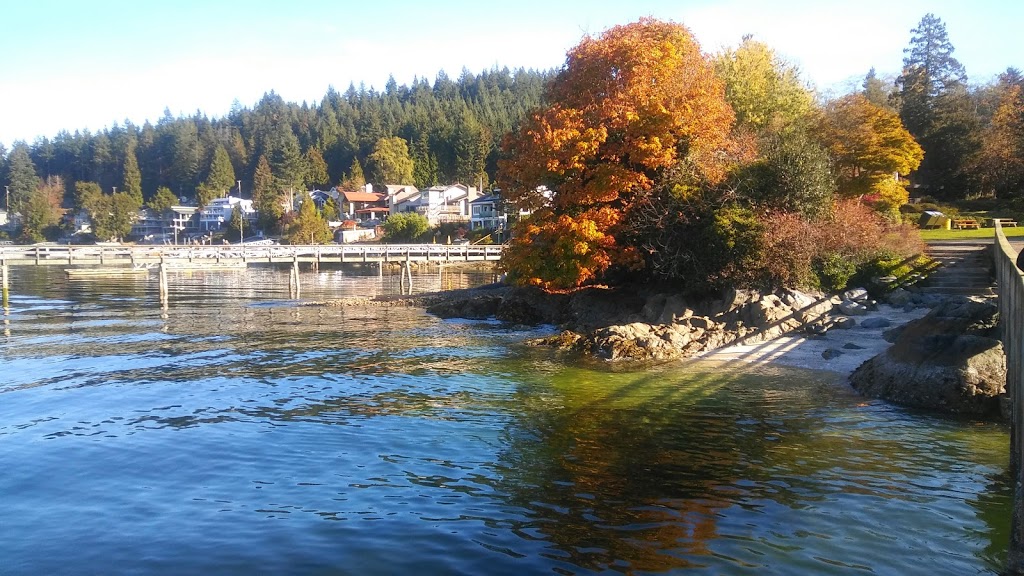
column 240, row 434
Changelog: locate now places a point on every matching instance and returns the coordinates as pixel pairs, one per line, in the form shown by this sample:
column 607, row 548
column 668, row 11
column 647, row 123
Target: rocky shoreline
column 948, row 359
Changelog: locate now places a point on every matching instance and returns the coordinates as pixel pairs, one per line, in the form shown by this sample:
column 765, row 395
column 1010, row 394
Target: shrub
column 405, row 226
column 884, row 263
column 833, row 271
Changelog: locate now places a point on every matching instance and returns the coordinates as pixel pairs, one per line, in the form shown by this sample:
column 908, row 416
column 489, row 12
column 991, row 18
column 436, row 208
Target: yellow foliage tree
column 869, row 147
column 764, row 90
column 629, row 104
column 1002, row 151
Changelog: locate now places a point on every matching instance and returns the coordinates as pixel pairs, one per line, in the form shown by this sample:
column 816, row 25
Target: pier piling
column 293, row 285
column 164, row 288
column 3, row 282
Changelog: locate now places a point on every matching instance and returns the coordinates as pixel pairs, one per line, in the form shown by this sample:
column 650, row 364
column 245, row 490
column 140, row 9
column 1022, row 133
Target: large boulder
column 949, row 360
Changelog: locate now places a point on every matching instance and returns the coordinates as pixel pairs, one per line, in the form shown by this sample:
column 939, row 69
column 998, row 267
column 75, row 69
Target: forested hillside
column 452, row 129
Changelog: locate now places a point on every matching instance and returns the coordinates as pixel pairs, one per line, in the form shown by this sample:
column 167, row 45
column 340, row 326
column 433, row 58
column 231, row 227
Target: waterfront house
column 3, row 218
column 365, row 205
column 148, row 224
column 177, row 222
column 439, row 204
column 486, row 213
column 218, row 212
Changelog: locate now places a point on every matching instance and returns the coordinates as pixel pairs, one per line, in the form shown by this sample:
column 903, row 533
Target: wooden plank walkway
column 60, row 255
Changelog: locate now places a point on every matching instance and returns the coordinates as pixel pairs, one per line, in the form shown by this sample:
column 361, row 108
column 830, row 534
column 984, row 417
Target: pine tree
column 287, row 163
column 308, row 227
column 935, row 108
column 162, row 200
column 876, row 92
column 22, row 178
column 221, row 176
column 316, row 175
column 132, row 180
column 265, row 194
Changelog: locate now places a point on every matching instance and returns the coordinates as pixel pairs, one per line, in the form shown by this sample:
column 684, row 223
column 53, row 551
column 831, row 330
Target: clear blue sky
column 76, row 65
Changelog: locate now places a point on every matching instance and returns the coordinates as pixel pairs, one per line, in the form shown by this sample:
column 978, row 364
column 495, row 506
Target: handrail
column 1011, row 317
column 59, row 253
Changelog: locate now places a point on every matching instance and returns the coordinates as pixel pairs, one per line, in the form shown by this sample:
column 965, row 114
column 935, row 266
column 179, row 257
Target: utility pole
column 7, row 189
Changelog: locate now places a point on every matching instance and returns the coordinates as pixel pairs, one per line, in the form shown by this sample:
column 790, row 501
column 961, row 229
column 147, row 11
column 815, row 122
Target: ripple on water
column 231, row 438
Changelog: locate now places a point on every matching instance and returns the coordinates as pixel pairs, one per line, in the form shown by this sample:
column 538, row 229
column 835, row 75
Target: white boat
column 105, row 271
column 175, row 266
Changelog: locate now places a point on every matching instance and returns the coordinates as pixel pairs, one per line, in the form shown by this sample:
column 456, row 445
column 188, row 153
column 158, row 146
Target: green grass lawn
column 986, row 233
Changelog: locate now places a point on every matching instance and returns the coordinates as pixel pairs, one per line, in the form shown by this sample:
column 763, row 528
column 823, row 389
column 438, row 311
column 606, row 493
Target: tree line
column 422, row 134
column 802, row 150
column 651, row 159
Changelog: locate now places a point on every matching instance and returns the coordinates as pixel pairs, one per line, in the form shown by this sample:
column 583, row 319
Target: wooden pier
column 60, row 255
column 99, row 260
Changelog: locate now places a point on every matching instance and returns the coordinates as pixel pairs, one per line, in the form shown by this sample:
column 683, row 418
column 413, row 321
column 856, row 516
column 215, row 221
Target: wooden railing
column 1011, row 317
column 54, row 254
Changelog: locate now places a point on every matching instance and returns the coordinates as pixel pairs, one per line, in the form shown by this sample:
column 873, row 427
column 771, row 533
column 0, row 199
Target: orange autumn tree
column 631, row 104
column 869, row 146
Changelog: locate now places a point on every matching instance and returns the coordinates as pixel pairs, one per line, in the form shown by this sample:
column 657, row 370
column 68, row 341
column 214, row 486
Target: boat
column 182, row 266
column 105, row 271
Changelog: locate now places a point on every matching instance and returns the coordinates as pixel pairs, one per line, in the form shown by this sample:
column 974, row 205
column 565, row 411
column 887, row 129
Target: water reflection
column 244, row 434
column 663, row 470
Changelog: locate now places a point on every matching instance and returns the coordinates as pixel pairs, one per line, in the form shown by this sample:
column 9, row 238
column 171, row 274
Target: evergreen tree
column 162, row 200
column 316, row 175
column 935, row 108
column 112, row 216
column 87, row 194
column 22, row 178
column 876, row 92
column 132, row 179
column 287, row 163
column 205, row 193
column 42, row 211
column 331, row 210
column 308, row 227
column 235, row 228
column 471, row 144
column 221, row 177
column 178, row 152
column 355, row 179
column 183, row 152
column 424, row 163
column 265, row 195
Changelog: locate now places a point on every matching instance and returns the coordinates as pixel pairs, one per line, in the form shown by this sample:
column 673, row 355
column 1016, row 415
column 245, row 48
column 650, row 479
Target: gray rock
column 817, row 328
column 831, row 353
column 899, row 297
column 892, row 334
column 797, row 300
column 876, row 322
column 700, row 322
column 815, row 312
column 855, row 295
column 852, row 346
column 844, row 322
column 949, row 360
column 852, row 308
